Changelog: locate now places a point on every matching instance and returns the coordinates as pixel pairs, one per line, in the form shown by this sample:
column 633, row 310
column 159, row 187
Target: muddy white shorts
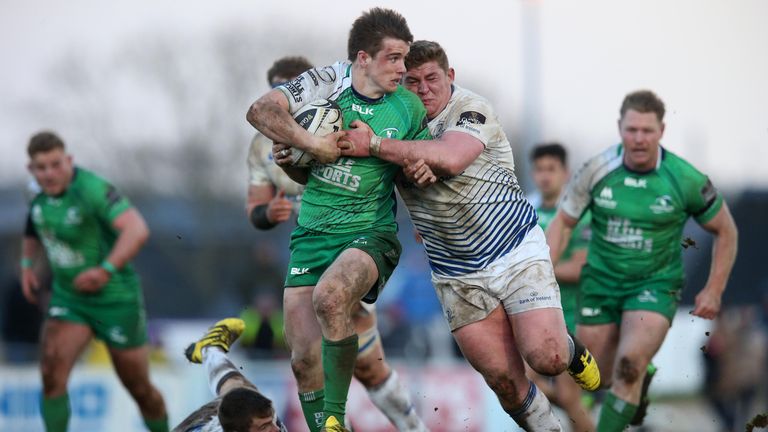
column 521, row 280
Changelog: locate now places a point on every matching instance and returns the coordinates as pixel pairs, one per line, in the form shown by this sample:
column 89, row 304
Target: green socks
column 338, row 365
column 615, row 415
column 312, row 407
column 56, row 416
column 157, row 425
column 55, row 413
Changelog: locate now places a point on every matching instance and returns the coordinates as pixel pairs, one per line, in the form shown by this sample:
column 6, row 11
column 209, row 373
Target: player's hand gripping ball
column 320, row 117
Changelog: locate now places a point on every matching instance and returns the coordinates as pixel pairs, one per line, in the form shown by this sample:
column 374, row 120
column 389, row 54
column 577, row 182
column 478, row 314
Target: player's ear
column 363, row 58
column 451, row 74
column 663, row 126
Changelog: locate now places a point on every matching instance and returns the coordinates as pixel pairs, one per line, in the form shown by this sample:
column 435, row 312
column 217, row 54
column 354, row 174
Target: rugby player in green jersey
column 550, row 173
column 89, row 232
column 640, row 195
column 273, row 198
column 345, row 246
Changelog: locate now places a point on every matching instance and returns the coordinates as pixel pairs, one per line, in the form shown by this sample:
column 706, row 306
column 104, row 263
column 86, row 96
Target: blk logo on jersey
column 635, row 182
column 297, row 271
column 362, row 110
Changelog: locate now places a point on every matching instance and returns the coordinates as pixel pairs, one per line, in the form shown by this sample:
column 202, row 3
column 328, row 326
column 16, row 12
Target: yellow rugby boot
column 583, row 367
column 222, row 334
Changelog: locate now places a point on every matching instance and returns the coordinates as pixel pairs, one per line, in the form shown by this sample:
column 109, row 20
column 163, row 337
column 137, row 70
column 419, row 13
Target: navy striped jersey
column 470, row 220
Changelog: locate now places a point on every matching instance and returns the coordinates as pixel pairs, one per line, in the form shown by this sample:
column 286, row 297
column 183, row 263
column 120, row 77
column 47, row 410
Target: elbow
column 251, row 115
column 454, row 167
column 142, row 234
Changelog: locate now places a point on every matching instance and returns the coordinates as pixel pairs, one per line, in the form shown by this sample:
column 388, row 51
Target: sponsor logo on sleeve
column 470, row 118
column 295, row 88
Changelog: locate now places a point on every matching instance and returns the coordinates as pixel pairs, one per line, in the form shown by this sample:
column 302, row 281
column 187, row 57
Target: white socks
column 536, row 413
column 395, row 402
column 218, row 366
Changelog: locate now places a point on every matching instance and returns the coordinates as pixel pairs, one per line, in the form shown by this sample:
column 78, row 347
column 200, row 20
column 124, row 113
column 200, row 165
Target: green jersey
column 638, row 218
column 354, row 194
column 579, row 238
column 76, row 231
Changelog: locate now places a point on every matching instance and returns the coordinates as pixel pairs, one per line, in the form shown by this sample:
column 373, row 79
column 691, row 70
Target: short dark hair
column 423, row 51
column 643, row 101
column 368, row 31
column 43, row 142
column 288, row 67
column 552, row 149
column 239, row 407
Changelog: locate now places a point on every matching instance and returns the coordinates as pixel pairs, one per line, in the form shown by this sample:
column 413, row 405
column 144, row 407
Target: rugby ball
column 319, row 117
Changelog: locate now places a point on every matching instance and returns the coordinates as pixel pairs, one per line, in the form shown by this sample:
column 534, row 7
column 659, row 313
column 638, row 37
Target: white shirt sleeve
column 257, row 172
column 314, row 84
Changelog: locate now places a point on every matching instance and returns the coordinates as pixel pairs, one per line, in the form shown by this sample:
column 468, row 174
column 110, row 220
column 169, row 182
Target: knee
column 141, row 390
column 52, row 371
column 329, row 302
column 548, row 358
column 628, row 370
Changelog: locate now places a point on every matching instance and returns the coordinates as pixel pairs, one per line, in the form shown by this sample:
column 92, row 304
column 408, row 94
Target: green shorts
column 312, row 253
column 118, row 324
column 569, row 298
column 603, row 297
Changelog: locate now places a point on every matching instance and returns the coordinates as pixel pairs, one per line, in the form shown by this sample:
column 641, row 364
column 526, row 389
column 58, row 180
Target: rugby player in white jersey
column 272, row 198
column 238, row 405
column 490, row 262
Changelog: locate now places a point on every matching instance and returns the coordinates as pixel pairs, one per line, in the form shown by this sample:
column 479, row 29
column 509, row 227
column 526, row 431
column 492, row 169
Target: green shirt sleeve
column 702, row 199
column 107, row 202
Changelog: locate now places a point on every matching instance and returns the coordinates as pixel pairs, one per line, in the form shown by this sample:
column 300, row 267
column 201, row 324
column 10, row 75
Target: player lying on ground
column 640, row 196
column 238, row 405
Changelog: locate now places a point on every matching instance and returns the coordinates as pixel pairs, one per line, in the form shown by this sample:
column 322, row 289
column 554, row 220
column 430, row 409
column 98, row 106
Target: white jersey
column 262, row 169
column 472, row 219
